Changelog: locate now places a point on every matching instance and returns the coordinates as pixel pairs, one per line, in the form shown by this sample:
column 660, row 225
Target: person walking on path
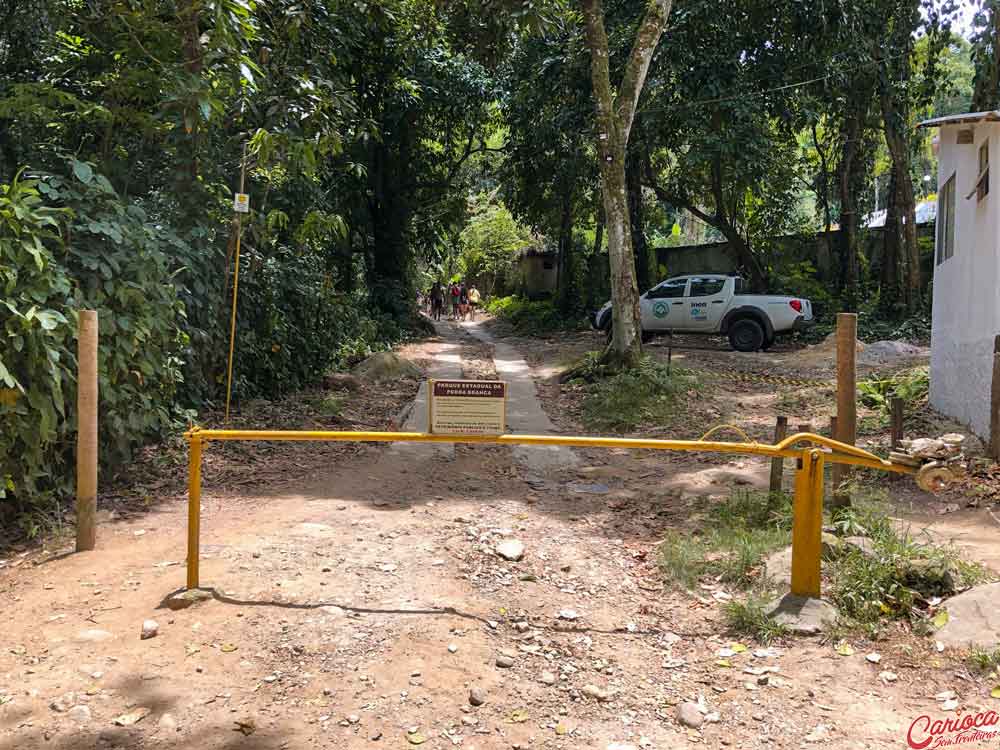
column 437, row 300
column 463, row 301
column 454, row 293
column 474, row 299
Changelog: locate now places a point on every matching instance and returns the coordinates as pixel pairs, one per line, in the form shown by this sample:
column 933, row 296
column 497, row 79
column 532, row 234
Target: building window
column 983, row 183
column 946, row 221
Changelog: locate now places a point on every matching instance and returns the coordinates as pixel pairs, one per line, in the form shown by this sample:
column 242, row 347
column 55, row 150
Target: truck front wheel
column 746, row 335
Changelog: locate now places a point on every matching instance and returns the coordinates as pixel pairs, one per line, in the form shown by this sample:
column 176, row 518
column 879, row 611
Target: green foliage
column 295, row 325
column 489, row 244
column 37, row 358
column 730, row 540
column 749, row 619
column 898, row 574
column 912, row 386
column 529, row 318
column 983, row 660
column 114, row 263
column 648, row 395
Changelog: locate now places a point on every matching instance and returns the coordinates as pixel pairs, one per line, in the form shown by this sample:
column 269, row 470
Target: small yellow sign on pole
column 467, row 407
column 241, row 203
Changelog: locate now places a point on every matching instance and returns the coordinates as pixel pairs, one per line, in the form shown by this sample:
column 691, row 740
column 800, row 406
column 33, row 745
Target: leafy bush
column 294, row 326
column 647, row 394
column 912, row 386
column 898, row 574
column 112, row 262
column 531, row 318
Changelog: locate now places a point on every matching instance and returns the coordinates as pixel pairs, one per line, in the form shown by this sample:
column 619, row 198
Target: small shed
column 537, row 272
column 966, row 308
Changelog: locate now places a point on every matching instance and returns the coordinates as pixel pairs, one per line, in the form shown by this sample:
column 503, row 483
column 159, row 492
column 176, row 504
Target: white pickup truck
column 715, row 304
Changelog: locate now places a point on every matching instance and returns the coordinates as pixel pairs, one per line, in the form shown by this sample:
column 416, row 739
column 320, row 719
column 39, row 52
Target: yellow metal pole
column 194, row 511
column 236, row 288
column 807, row 525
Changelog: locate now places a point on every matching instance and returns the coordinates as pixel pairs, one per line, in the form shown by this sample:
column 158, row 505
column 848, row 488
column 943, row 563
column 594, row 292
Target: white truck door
column 705, row 302
column 662, row 307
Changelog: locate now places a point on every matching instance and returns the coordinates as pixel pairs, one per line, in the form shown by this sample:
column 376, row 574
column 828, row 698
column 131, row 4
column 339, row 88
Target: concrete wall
column 537, row 274
column 966, row 310
column 819, row 249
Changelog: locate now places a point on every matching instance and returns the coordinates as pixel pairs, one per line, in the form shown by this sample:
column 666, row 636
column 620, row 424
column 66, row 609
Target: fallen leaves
column 844, row 649
column 132, row 717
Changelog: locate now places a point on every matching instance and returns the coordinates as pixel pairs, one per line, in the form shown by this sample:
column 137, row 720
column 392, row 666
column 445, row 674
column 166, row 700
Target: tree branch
column 675, row 199
column 646, row 39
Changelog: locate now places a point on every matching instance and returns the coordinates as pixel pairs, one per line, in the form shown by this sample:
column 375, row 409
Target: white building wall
column 966, row 307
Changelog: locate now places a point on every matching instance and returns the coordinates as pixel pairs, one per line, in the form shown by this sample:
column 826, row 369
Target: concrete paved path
column 446, row 364
column 525, row 414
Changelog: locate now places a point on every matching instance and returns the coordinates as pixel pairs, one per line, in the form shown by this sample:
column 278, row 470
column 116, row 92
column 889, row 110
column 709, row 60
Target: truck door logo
column 660, row 309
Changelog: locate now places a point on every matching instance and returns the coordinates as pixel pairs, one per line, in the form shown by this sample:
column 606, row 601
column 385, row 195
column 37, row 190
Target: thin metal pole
column 236, row 288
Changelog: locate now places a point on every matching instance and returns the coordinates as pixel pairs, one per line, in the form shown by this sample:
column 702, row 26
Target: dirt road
column 365, row 605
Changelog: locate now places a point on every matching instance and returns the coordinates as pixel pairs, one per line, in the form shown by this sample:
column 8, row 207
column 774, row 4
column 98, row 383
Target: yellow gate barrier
column 807, row 507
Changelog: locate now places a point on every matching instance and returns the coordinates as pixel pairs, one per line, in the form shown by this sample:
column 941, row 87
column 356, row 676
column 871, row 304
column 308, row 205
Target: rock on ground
column 185, row 599
column 973, row 618
column 689, row 715
column 511, row 549
column 387, row 366
column 150, row 629
column 801, row 615
column 79, row 714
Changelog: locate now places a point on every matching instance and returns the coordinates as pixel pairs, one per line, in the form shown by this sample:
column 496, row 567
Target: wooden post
column 896, row 416
column 86, row 433
column 777, row 464
column 995, row 403
column 807, row 525
column 839, row 499
column 847, row 393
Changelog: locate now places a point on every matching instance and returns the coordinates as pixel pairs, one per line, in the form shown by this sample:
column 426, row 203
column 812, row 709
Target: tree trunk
column 889, row 272
column 895, row 126
column 633, row 180
column 850, row 178
column 565, row 274
column 391, row 284
column 615, row 115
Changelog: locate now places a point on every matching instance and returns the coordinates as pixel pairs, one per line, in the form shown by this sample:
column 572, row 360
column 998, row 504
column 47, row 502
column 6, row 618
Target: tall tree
column 986, row 56
column 615, row 114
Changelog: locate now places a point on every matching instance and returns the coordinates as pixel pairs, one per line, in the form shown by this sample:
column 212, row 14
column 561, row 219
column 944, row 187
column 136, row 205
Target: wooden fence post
column 777, row 464
column 86, row 436
column 896, row 417
column 847, row 395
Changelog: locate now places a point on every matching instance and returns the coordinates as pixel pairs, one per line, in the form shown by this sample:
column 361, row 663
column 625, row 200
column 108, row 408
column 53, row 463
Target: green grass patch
column 645, row 395
column 749, row 619
column 730, row 541
column 331, row 405
column 900, row 573
column 529, row 318
column 983, row 660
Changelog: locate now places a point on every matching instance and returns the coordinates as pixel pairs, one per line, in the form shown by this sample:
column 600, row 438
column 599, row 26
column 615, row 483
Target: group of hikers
column 461, row 302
